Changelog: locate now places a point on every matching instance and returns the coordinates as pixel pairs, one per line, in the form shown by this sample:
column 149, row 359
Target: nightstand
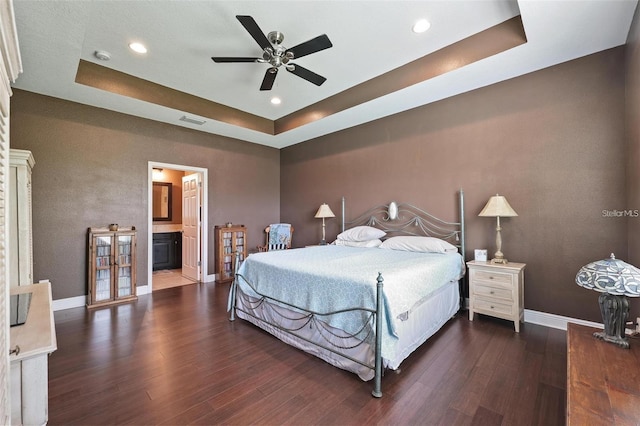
column 497, row 290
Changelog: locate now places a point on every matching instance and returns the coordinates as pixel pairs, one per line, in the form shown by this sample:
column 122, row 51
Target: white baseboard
column 534, row 317
column 80, row 301
column 555, row 321
column 68, row 303
column 550, row 320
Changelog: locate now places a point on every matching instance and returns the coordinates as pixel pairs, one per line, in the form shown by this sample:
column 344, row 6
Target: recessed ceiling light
column 138, row 47
column 276, row 101
column 421, row 26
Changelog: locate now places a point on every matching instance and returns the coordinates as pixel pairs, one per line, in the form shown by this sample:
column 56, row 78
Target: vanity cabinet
column 229, row 241
column 167, row 250
column 112, row 266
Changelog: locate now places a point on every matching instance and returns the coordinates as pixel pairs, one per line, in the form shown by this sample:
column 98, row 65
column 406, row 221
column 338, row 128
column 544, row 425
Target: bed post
column 343, row 209
column 462, row 243
column 377, row 391
column 232, row 291
column 462, row 247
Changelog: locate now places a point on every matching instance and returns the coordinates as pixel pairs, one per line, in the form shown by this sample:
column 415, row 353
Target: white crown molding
column 9, row 41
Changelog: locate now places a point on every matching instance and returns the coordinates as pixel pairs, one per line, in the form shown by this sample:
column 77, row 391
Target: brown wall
column 91, row 170
column 552, row 142
column 633, row 134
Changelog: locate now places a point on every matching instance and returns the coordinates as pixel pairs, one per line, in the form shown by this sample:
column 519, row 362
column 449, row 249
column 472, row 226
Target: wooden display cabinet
column 229, row 240
column 112, row 266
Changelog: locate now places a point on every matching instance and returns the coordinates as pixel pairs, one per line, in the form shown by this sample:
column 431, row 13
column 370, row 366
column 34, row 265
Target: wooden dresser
column 603, row 380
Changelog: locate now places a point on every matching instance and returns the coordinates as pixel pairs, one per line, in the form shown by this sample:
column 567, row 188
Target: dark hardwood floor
column 173, row 358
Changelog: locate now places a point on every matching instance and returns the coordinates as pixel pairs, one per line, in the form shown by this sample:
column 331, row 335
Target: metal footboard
column 373, row 321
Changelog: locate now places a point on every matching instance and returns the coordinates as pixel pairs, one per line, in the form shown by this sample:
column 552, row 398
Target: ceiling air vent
column 192, row 120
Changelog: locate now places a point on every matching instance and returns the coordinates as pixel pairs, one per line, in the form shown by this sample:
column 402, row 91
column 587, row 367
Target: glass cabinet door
column 240, row 244
column 124, row 283
column 103, row 269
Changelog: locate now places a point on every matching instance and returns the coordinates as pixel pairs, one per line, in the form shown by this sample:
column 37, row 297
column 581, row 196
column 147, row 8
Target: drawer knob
column 490, row 277
column 491, row 292
column 492, row 307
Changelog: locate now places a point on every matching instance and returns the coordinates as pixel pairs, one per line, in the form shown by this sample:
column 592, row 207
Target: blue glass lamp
column 616, row 280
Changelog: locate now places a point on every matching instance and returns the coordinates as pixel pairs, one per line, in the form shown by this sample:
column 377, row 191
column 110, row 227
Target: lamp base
column 322, row 243
column 615, row 311
column 501, row 260
column 620, row 341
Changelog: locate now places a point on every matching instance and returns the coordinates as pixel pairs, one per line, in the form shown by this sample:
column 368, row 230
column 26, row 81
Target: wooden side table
column 603, row 380
column 497, row 290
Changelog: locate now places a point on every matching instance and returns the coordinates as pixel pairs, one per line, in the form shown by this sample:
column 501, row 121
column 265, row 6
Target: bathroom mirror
column 161, row 201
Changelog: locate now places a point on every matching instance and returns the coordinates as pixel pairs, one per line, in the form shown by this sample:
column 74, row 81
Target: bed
column 360, row 304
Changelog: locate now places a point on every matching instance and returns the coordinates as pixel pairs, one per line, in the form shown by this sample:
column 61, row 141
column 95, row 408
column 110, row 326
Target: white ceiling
column 369, row 38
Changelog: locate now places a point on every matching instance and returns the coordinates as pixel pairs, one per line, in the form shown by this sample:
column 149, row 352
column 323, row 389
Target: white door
column 191, row 226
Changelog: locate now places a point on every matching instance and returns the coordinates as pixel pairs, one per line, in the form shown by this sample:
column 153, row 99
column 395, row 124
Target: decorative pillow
column 420, row 244
column 370, row 243
column 361, row 233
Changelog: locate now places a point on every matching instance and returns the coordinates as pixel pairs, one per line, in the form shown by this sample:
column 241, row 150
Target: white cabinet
column 497, row 290
column 20, row 230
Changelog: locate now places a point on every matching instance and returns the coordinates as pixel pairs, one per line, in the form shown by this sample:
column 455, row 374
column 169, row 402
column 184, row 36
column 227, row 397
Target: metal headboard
column 407, row 219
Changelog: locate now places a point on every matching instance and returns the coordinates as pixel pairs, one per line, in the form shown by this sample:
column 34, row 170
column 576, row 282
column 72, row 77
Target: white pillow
column 370, row 243
column 361, row 233
column 420, row 244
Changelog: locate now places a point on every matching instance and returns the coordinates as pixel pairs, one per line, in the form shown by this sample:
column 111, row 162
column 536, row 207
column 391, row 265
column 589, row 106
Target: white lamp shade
column 324, row 211
column 497, row 206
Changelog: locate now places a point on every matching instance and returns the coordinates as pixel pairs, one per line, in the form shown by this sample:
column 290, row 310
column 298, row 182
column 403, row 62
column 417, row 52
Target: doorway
column 190, row 215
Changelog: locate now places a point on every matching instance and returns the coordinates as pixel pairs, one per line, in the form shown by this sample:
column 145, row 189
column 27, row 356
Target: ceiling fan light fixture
column 421, row 26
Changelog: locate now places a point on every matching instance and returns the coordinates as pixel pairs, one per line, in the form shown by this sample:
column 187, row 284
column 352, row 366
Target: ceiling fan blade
column 269, row 78
column 311, row 46
column 252, row 27
column 223, row 59
column 310, row 76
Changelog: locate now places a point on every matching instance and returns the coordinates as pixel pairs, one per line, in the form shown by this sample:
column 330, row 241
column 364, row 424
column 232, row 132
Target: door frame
column 205, row 277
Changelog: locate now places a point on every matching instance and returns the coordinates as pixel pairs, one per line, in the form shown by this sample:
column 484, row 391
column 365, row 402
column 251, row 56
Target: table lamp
column 497, row 207
column 324, row 211
column 616, row 280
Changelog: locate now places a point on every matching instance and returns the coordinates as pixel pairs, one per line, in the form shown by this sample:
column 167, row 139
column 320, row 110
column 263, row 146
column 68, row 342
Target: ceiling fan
column 274, row 54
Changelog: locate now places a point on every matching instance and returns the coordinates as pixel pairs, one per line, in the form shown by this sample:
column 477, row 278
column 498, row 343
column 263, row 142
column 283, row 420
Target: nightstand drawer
column 492, row 308
column 499, row 278
column 489, row 292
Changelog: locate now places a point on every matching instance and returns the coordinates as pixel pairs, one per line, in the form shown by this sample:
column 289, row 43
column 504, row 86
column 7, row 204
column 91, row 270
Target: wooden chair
column 277, row 238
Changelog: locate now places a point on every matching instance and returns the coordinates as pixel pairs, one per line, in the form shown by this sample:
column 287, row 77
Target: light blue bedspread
column 331, row 278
